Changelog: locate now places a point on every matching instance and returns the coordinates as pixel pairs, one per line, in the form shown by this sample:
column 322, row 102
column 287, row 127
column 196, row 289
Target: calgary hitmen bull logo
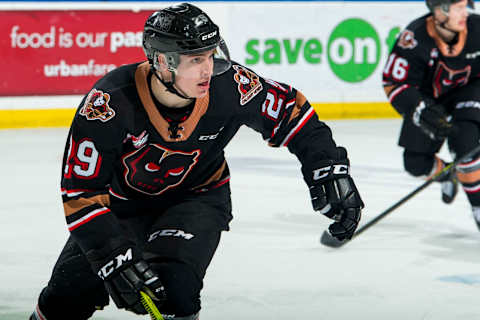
column 407, row 40
column 446, row 79
column 96, row 106
column 154, row 169
column 249, row 84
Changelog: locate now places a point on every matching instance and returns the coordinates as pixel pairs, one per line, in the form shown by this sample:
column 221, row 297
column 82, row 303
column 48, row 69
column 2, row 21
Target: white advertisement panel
column 333, row 52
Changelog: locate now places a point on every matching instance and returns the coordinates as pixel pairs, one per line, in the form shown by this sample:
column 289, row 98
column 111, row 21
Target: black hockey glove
column 432, row 119
column 125, row 277
column 334, row 193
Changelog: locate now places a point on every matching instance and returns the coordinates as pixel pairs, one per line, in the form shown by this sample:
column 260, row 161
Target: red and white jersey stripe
column 310, row 112
column 86, row 218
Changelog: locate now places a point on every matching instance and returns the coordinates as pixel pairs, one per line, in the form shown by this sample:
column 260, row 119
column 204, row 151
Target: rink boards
column 332, row 51
column 31, row 118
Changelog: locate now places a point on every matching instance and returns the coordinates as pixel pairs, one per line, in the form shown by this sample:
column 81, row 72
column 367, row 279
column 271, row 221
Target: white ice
column 420, row 262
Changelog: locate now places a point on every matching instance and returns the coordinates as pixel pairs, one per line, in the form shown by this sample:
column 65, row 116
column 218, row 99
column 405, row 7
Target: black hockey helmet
column 445, row 4
column 183, row 29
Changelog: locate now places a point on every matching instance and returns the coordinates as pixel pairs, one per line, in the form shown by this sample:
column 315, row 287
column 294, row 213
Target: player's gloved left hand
column 432, row 119
column 334, row 193
column 125, row 277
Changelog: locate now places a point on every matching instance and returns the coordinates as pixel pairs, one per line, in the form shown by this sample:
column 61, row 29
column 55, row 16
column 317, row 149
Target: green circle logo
column 353, row 50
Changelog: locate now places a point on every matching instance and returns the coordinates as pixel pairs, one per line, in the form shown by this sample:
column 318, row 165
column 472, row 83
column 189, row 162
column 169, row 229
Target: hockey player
column 432, row 79
column 145, row 184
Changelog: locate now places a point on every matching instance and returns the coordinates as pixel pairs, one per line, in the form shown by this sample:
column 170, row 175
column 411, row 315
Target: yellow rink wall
column 35, row 118
column 355, row 110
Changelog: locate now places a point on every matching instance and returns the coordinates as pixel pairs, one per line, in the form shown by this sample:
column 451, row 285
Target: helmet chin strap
column 443, row 25
column 171, row 85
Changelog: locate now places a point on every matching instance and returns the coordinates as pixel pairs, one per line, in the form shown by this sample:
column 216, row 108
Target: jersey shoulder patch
column 96, row 106
column 407, row 40
column 248, row 83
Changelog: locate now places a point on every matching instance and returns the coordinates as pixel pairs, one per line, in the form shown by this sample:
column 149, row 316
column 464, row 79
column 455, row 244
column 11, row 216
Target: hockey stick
column 328, row 240
column 150, row 307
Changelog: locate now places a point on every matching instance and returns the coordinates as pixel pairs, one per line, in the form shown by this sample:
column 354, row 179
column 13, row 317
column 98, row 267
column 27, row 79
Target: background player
column 432, row 79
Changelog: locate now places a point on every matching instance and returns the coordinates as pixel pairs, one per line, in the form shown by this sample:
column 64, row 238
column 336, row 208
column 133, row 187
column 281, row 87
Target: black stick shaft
column 417, row 190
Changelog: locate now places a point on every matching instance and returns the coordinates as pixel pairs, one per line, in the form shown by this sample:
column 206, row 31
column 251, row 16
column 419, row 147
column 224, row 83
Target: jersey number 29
column 83, row 160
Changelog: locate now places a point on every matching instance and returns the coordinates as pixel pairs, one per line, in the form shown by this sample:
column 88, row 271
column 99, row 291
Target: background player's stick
column 328, row 240
column 150, row 307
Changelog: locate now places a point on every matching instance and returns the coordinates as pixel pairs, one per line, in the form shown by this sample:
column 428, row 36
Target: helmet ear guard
column 172, row 60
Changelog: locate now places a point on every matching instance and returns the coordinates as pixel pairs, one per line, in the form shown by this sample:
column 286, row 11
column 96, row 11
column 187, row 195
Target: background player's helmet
column 445, row 4
column 183, row 29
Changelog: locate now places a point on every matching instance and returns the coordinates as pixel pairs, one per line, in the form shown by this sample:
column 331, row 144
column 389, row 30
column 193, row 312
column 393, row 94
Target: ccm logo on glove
column 325, row 171
column 115, row 263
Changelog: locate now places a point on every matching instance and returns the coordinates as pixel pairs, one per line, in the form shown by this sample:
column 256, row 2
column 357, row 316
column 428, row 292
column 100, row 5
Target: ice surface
column 420, row 262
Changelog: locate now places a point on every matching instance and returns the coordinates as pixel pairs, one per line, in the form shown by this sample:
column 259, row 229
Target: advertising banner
column 65, row 52
column 333, row 52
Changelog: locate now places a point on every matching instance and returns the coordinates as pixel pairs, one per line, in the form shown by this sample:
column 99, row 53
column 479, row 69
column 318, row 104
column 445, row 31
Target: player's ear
column 162, row 63
column 438, row 13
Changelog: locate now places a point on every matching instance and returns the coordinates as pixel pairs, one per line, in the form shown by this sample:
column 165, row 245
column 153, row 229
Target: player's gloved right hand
column 124, row 279
column 432, row 119
column 334, row 193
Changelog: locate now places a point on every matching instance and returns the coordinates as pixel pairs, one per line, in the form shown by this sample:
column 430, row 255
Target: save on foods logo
column 353, row 50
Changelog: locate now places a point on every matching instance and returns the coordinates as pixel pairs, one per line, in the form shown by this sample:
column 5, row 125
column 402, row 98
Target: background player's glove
column 125, row 277
column 334, row 193
column 432, row 119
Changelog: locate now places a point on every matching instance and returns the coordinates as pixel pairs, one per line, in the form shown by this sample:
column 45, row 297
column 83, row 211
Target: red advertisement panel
column 65, row 52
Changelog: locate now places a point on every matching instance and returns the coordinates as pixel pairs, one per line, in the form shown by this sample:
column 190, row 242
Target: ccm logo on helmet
column 325, row 171
column 210, row 35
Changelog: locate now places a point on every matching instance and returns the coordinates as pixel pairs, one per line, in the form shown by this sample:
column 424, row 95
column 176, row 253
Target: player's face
column 457, row 16
column 194, row 73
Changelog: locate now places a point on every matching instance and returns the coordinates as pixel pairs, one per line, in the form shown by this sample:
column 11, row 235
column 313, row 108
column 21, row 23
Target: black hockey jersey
column 421, row 65
column 120, row 146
